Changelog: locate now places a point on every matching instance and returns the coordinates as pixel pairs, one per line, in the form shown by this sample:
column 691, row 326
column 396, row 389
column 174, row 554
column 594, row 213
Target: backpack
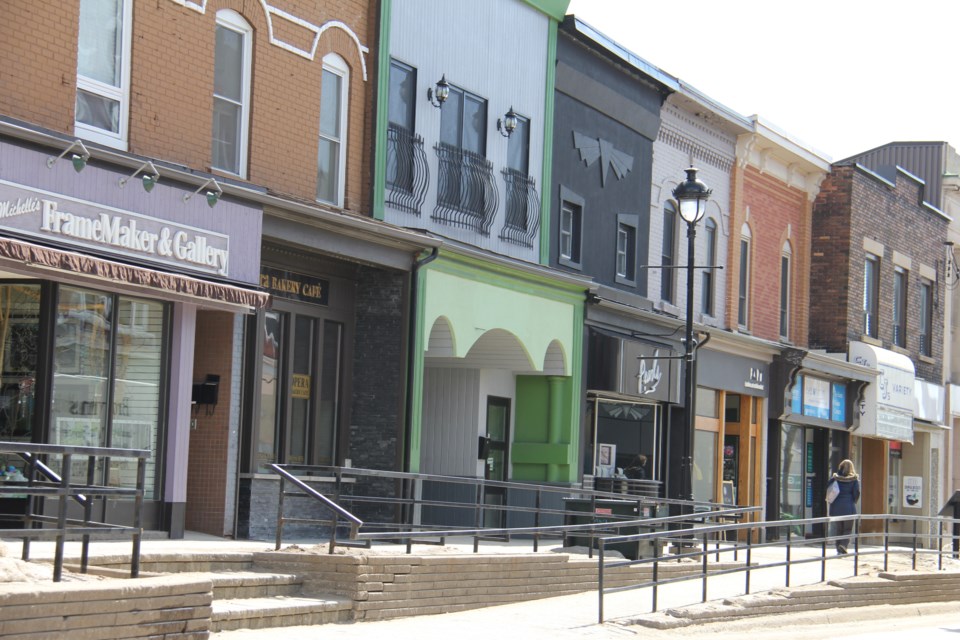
column 833, row 490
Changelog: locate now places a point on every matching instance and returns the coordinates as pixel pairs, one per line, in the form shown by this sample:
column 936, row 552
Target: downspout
column 411, row 354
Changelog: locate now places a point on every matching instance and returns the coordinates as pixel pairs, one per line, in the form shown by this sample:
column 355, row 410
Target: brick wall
column 210, row 440
column 855, row 204
column 171, row 93
column 777, row 214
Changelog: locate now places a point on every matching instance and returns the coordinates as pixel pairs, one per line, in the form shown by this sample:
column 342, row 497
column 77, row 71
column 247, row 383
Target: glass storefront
column 633, row 429
column 106, row 386
column 299, row 395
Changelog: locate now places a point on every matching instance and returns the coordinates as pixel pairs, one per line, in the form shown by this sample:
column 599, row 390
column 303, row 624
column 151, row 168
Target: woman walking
column 845, row 502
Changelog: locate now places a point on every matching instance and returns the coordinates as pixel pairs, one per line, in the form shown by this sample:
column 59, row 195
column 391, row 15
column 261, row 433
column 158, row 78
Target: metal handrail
column 62, row 487
column 409, row 497
column 700, row 537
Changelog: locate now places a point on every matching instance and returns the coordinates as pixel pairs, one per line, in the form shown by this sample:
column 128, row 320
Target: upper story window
column 785, row 285
column 522, row 202
column 103, row 71
column 407, row 174
column 926, row 317
column 707, row 293
column 626, row 249
column 332, row 148
column 571, row 225
column 743, row 297
column 900, row 307
column 466, row 192
column 231, row 92
column 871, row 294
column 668, row 255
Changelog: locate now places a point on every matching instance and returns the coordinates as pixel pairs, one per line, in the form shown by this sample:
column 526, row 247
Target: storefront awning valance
column 32, row 259
column 888, row 405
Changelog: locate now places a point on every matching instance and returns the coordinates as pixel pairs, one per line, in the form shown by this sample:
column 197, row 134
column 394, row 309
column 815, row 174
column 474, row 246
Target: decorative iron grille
column 523, row 208
column 408, row 175
column 467, row 195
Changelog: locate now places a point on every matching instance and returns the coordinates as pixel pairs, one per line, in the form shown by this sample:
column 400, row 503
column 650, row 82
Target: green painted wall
column 556, row 9
column 380, row 132
column 532, row 453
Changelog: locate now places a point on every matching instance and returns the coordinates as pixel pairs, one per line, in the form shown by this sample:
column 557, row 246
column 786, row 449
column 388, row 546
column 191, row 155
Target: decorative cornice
column 317, row 30
column 688, row 145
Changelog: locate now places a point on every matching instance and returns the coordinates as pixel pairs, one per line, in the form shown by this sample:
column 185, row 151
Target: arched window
column 743, row 300
column 332, row 147
column 668, row 257
column 231, row 92
column 707, row 282
column 786, row 282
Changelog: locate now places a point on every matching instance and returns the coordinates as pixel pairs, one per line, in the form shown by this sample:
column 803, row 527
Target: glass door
column 19, row 342
column 498, row 428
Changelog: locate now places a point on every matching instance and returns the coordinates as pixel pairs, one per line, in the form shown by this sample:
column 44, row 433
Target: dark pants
column 842, row 531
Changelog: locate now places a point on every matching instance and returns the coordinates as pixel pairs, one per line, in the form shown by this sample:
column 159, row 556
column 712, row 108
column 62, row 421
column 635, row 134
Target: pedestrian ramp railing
column 780, row 544
column 360, row 507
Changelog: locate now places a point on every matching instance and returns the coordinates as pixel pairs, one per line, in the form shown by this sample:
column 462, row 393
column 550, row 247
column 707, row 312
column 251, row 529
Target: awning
column 31, row 259
column 888, row 404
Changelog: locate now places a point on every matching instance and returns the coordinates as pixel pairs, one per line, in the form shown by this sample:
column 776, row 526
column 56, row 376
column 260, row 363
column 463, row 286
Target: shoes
column 841, row 550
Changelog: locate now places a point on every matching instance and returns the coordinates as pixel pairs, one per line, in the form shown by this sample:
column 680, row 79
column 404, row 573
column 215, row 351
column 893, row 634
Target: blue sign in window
column 796, row 398
column 838, row 403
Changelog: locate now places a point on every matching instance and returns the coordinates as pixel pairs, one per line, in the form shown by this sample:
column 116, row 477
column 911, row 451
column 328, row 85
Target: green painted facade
column 474, row 297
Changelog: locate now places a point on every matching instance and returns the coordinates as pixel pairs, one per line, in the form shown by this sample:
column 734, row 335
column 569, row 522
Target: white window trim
column 786, row 280
column 746, row 236
column 568, row 196
column 230, row 19
column 632, row 221
column 710, row 246
column 117, row 140
column 338, row 66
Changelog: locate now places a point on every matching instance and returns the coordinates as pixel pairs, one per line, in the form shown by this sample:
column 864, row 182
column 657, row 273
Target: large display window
column 105, row 355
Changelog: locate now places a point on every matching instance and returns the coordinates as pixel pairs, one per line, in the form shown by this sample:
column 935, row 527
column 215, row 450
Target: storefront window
column 271, row 368
column 791, row 470
column 704, row 466
column 707, row 403
column 300, row 379
column 107, row 374
column 19, row 333
column 632, row 429
column 894, row 477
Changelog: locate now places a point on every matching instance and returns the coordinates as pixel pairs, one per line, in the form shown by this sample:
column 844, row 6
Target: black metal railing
column 467, row 194
column 731, row 540
column 523, row 208
column 415, row 508
column 408, row 176
column 76, row 482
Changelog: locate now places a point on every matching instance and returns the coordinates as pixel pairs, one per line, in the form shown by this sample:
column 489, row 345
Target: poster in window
column 913, row 492
column 606, row 459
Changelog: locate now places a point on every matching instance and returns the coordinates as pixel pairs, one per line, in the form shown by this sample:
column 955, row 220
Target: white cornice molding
column 271, row 12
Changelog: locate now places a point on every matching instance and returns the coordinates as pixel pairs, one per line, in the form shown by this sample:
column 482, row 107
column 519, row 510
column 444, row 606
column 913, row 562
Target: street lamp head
column 691, row 196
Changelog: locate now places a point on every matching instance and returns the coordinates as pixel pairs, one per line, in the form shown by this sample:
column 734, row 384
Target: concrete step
column 279, row 611
column 254, row 584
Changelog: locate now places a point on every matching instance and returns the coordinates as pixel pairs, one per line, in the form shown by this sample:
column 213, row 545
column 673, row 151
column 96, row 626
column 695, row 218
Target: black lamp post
column 691, row 196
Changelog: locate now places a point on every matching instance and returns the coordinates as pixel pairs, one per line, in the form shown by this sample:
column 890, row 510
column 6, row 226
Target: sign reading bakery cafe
column 71, row 221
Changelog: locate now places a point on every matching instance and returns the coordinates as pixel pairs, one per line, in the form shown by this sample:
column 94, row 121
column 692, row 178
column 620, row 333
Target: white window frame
column 230, row 19
column 925, row 328
column 627, row 274
column 121, row 94
column 708, row 281
column 668, row 282
column 786, row 289
column 338, row 66
column 900, row 281
column 743, row 277
column 573, row 259
column 871, row 297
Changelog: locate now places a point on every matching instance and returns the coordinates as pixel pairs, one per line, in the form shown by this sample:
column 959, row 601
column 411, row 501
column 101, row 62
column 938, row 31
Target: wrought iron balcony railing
column 407, row 173
column 466, row 191
column 523, row 208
